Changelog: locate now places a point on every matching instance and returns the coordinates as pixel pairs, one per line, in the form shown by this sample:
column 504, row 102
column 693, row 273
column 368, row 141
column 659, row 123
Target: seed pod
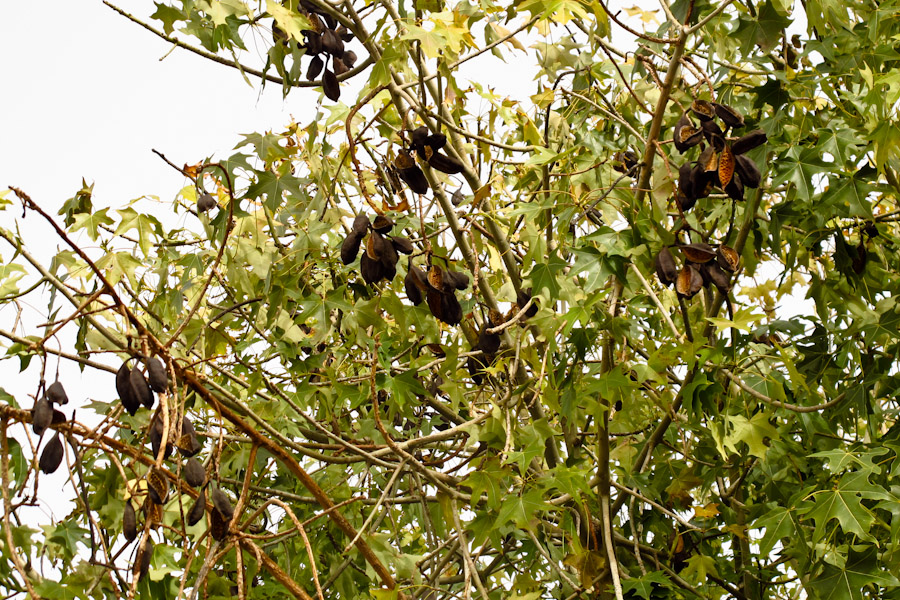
column 402, row 245
column 704, row 110
column 157, row 376
column 685, row 203
column 153, row 512
column 729, row 116
column 126, row 393
column 313, row 42
column 56, row 394
column 332, row 43
column 735, row 188
column 436, row 141
column 522, row 298
column 410, row 172
column 350, row 247
column 198, row 509
column 218, row 525
column 457, row 198
column 435, row 300
column 330, row 86
column 58, row 417
column 476, row 369
column 194, row 473
column 279, row 35
column 708, row 161
column 495, row 318
column 222, row 504
column 666, row 270
column 726, row 167
column 688, row 282
column 157, row 486
column 859, row 259
column 747, row 171
column 338, row 66
column 626, row 161
column 142, row 560
column 415, row 283
column 444, row 163
column 41, row 415
column 870, row 230
column 451, row 309
column 129, row 522
column 685, row 182
column 698, row 253
column 382, row 224
column 315, row 67
column 372, row 270
column 728, row 258
column 360, row 225
column 206, row 202
column 389, row 262
column 748, row 142
column 156, row 435
column 436, row 277
column 349, row 58
column 455, row 280
column 141, row 388
column 52, row 455
column 488, row 343
column 685, row 134
column 713, row 134
column 188, row 445
column 375, row 246
column 715, row 275
column 419, row 138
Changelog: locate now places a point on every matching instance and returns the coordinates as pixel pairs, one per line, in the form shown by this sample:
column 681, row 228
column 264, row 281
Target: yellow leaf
column 482, row 193
column 705, row 512
column 502, row 32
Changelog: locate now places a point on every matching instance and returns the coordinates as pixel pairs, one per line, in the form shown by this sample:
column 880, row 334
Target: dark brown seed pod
column 156, row 435
column 372, row 270
column 475, row 367
column 332, row 43
column 126, row 393
column 715, row 275
column 455, row 280
column 279, row 35
column 41, row 415
column 435, row 300
column 685, row 203
column 194, row 473
column 389, row 262
column 870, row 229
column 735, row 188
column 338, row 66
column 198, row 509
column 685, row 181
column 436, row 277
column 375, row 245
column 189, row 445
column 522, row 298
column 349, row 58
column 129, row 522
column 748, row 142
column 58, row 417
column 222, row 503
column 623, row 162
column 404, row 160
column 444, row 163
column 495, row 318
column 747, row 171
column 698, row 253
column 729, row 116
column 52, row 455
column 726, row 167
column 382, row 224
column 666, row 270
column 708, row 160
column 704, row 109
column 313, row 42
column 142, row 560
column 330, row 86
column 360, row 225
column 451, row 309
column 350, row 247
column 859, row 259
column 436, row 141
column 218, row 526
column 415, row 283
column 206, row 202
column 316, row 64
column 418, row 138
column 728, row 258
column 489, row 343
column 689, row 281
column 141, row 388
column 57, row 394
column 685, row 133
column 457, row 198
column 157, row 486
column 157, row 376
column 713, row 134
column 402, row 245
column 415, row 179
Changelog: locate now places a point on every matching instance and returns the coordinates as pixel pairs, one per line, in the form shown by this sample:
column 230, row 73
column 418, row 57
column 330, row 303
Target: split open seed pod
column 157, row 486
column 436, row 277
column 698, row 253
column 129, row 522
column 52, row 455
column 729, row 116
column 666, row 270
column 749, row 141
column 414, row 283
column 704, row 109
column 685, row 135
column 57, row 394
column 747, row 171
column 382, row 224
column 713, row 134
column 419, row 138
column 689, row 281
column 41, row 415
column 157, row 376
column 726, row 167
column 410, row 172
column 728, row 258
column 375, row 245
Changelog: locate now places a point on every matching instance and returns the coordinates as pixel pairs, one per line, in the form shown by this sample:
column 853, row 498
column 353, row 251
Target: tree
column 519, row 407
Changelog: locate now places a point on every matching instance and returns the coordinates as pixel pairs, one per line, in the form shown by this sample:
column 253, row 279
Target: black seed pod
column 129, row 522
column 142, row 560
column 157, row 376
column 748, row 142
column 205, row 202
column 156, row 435
column 360, row 225
column 747, row 171
column 57, row 394
column 141, row 388
column 729, row 116
column 382, row 224
column 313, row 42
column 126, row 393
column 665, row 267
column 338, row 66
column 414, row 283
column 350, row 247
column 332, row 43
column 198, row 509
column 218, row 525
column 41, row 415
column 315, row 67
column 330, row 86
column 402, row 245
column 194, row 473
column 372, row 270
column 455, row 280
column 488, row 343
column 444, row 163
column 52, row 455
column 222, row 504
column 522, row 298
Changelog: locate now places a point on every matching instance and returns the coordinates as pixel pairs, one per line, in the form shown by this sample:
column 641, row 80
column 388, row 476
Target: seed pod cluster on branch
column 703, row 266
column 426, row 146
column 439, row 287
column 381, row 254
column 720, row 164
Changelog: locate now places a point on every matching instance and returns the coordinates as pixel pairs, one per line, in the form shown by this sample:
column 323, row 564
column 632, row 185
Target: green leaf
column 92, row 222
column 645, row 585
column 778, row 522
column 752, row 431
column 523, row 510
column 291, row 22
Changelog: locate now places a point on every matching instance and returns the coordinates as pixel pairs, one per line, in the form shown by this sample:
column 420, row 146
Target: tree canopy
column 632, row 336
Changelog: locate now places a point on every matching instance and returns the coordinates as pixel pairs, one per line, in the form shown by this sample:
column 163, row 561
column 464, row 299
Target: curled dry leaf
column 52, row 455
column 57, row 394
